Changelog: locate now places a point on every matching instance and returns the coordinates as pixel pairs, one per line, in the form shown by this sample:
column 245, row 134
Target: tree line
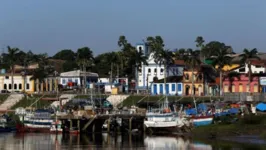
column 127, row 60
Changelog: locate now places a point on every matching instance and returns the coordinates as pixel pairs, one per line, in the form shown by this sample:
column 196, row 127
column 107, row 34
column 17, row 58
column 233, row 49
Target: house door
column 155, row 89
column 200, row 90
column 167, row 88
column 161, row 88
column 187, row 90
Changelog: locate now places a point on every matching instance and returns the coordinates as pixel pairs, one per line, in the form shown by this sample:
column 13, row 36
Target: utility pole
column 111, row 74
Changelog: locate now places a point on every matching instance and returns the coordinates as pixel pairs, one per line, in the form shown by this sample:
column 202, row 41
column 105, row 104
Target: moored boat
column 37, row 121
column 56, row 127
column 3, row 124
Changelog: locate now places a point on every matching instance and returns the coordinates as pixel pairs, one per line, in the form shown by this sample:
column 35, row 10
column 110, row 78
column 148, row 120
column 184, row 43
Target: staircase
column 65, row 98
column 116, row 99
column 11, row 100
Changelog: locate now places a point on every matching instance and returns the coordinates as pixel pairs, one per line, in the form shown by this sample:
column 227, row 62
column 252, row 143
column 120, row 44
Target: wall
column 18, row 83
column 154, row 70
column 254, row 69
column 198, row 83
column 172, row 88
column 241, row 85
column 65, row 80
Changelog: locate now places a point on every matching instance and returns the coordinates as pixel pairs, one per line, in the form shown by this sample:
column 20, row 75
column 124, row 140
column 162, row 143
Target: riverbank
column 249, row 125
column 144, row 100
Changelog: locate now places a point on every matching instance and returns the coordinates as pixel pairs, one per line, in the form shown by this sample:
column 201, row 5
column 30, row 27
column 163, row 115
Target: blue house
column 171, row 88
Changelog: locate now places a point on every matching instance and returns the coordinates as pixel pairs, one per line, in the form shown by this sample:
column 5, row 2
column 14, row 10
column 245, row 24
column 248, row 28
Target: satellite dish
column 20, row 111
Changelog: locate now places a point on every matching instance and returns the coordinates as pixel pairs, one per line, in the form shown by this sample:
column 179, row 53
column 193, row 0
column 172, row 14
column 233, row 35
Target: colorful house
column 241, row 84
column 170, row 88
column 198, row 83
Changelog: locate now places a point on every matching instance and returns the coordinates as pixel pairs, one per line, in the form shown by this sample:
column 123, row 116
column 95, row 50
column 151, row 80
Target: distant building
column 77, row 77
column 241, row 85
column 148, row 73
column 198, row 83
column 173, row 86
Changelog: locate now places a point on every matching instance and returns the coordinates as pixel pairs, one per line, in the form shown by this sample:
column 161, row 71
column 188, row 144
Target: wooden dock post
column 130, row 125
column 108, row 125
column 93, row 128
column 71, row 124
column 78, row 124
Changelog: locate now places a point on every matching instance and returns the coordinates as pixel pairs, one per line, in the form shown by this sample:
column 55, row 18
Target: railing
column 243, row 96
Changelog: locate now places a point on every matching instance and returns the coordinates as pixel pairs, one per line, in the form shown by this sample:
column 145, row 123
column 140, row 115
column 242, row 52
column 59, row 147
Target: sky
column 52, row 25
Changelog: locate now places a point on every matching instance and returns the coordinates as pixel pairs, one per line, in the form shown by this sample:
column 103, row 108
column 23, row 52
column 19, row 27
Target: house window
column 240, row 88
column 261, row 72
column 5, row 86
column 242, row 69
column 69, row 80
column 186, row 76
column 20, row 86
column 64, row 81
column 173, row 87
column 140, row 71
column 76, row 80
column 140, row 48
column 247, row 88
column 15, row 86
column 149, row 70
column 179, row 87
column 255, row 88
column 9, row 86
column 162, row 70
column 6, row 77
column 225, row 88
column 139, row 80
column 28, row 86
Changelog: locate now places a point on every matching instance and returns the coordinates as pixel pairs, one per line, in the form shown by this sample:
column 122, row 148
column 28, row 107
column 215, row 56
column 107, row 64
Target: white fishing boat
column 165, row 120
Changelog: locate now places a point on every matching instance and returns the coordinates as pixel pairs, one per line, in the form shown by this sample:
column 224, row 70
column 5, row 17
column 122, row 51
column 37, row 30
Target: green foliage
column 3, row 97
column 66, row 54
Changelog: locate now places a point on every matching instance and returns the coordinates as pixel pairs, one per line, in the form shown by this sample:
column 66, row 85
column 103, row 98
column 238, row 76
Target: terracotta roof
column 179, row 62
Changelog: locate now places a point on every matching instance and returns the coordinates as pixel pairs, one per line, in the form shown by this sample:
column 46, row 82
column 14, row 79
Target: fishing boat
column 3, row 124
column 37, row 121
column 165, row 120
column 199, row 115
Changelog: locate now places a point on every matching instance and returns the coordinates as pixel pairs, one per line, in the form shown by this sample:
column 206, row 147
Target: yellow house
column 198, row 83
column 21, row 83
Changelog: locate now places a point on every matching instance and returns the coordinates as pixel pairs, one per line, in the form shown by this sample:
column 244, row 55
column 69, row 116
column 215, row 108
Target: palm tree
column 246, row 58
column 220, row 59
column 192, row 60
column 161, row 56
column 200, row 44
column 43, row 69
column 12, row 60
column 85, row 59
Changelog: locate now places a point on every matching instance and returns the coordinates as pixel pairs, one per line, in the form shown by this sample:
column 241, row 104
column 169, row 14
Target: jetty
column 93, row 123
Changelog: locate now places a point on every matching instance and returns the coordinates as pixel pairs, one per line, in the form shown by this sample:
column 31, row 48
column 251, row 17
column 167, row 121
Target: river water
column 40, row 141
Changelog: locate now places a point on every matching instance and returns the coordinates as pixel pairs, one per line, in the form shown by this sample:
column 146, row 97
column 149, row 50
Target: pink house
column 241, row 84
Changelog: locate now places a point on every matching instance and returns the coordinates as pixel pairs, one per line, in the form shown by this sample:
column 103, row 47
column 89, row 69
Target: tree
column 160, row 54
column 192, row 60
column 210, row 48
column 85, row 59
column 246, row 58
column 69, row 56
column 220, row 59
column 200, row 44
column 43, row 70
column 11, row 60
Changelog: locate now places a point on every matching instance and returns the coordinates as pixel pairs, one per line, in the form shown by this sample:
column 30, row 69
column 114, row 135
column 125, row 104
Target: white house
column 148, row 72
column 254, row 69
column 77, row 77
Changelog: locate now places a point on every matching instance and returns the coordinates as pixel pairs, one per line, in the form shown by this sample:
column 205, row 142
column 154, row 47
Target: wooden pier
column 94, row 123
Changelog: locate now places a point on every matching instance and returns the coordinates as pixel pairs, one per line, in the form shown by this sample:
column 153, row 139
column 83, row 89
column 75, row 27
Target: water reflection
column 35, row 141
column 173, row 143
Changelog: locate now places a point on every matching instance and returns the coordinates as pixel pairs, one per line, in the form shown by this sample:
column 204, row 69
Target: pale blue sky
column 53, row 25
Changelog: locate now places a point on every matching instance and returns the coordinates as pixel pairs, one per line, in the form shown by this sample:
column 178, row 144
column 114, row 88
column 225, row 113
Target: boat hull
column 202, row 121
column 33, row 129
